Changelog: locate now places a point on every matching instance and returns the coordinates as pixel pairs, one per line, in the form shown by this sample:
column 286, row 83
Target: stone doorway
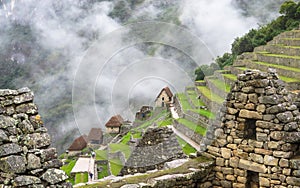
column 252, row 180
column 250, row 129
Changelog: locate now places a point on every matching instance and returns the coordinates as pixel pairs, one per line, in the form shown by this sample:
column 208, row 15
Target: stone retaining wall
column 26, row 158
column 157, row 146
column 257, row 142
column 187, row 132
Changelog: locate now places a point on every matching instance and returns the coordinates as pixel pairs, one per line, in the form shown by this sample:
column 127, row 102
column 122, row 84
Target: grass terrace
column 196, row 128
column 212, row 96
column 194, row 98
column 81, row 177
column 280, row 55
column 278, row 66
column 104, row 172
column 220, row 84
column 186, row 148
column 204, row 113
column 230, row 76
column 151, row 121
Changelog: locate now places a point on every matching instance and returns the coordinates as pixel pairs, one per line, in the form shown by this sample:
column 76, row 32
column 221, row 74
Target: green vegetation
column 183, row 101
column 101, row 154
column 104, row 171
column 206, row 70
column 279, row 66
column 194, row 98
column 204, row 113
column 144, row 178
column 288, row 79
column 281, row 55
column 115, row 166
column 151, row 121
column 220, row 84
column 186, row 148
column 196, row 128
column 230, row 76
column 81, row 177
column 214, row 97
column 120, row 147
column 68, row 167
column 168, row 121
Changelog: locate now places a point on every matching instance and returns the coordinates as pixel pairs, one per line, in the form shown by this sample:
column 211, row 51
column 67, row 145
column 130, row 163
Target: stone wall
column 157, row 146
column 257, row 143
column 188, row 132
column 26, row 160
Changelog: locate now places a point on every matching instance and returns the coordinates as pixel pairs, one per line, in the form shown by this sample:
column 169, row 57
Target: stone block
column 261, row 137
column 253, row 98
column 264, row 182
column 250, row 114
column 295, row 164
column 232, row 111
column 20, row 181
column 226, row 153
column 249, row 165
column 293, row 181
column 282, row 154
column 286, row 171
column 270, row 160
column 284, row 163
column 227, row 170
column 234, row 162
column 230, row 178
column 285, row 117
column 256, row 158
column 261, row 108
column 241, row 179
column 220, row 161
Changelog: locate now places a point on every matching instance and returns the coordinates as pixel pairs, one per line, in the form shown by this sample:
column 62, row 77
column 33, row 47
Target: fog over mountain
column 43, row 43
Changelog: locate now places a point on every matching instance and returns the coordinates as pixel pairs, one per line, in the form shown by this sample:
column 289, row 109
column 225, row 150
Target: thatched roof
column 79, row 143
column 167, row 90
column 95, row 134
column 115, row 121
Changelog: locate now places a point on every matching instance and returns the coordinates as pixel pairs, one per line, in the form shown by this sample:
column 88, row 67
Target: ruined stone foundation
column 257, row 143
column 26, row 160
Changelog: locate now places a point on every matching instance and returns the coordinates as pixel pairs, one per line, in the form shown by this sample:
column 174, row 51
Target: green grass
column 185, row 105
column 115, row 166
column 196, row 128
column 183, row 169
column 194, row 98
column 126, row 138
column 168, row 121
column 288, row 79
column 120, row 147
column 207, row 93
column 281, row 55
column 220, row 84
column 81, row 177
column 104, row 172
column 278, row 66
column 205, row 113
column 186, row 148
column 101, row 154
column 151, row 121
column 230, row 76
column 68, row 168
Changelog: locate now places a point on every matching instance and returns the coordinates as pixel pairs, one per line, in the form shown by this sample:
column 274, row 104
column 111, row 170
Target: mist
column 61, row 34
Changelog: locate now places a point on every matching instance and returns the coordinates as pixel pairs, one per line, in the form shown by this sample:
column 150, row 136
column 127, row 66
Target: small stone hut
column 257, row 143
column 78, row 144
column 95, row 136
column 164, row 98
column 114, row 124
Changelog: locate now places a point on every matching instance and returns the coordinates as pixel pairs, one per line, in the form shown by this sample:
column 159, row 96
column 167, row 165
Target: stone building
column 164, row 98
column 26, row 158
column 114, row 124
column 95, row 136
column 78, row 144
column 257, row 143
column 144, row 113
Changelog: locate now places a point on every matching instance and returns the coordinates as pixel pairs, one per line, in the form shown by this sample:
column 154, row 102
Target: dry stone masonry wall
column 26, row 160
column 257, row 143
column 157, row 146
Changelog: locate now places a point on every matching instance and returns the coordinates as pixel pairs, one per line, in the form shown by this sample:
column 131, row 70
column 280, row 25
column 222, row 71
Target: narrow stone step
column 217, row 86
column 212, row 100
column 279, row 49
column 278, row 59
column 285, row 42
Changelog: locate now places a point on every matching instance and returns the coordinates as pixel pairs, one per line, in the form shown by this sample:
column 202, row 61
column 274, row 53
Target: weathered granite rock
column 13, row 164
column 54, row 176
column 20, row 181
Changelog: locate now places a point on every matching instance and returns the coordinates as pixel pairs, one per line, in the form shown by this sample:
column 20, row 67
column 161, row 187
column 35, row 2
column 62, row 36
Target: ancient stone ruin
column 257, row 143
column 26, row 160
column 157, row 146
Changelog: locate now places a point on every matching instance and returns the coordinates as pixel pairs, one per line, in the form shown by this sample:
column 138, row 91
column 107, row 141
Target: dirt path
column 85, row 164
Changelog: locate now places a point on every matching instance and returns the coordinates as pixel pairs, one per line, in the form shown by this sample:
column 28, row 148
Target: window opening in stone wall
column 250, row 129
column 252, row 180
column 163, row 98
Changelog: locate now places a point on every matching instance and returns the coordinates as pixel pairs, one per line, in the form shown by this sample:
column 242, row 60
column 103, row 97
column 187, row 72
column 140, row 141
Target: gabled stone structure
column 26, row 158
column 257, row 143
